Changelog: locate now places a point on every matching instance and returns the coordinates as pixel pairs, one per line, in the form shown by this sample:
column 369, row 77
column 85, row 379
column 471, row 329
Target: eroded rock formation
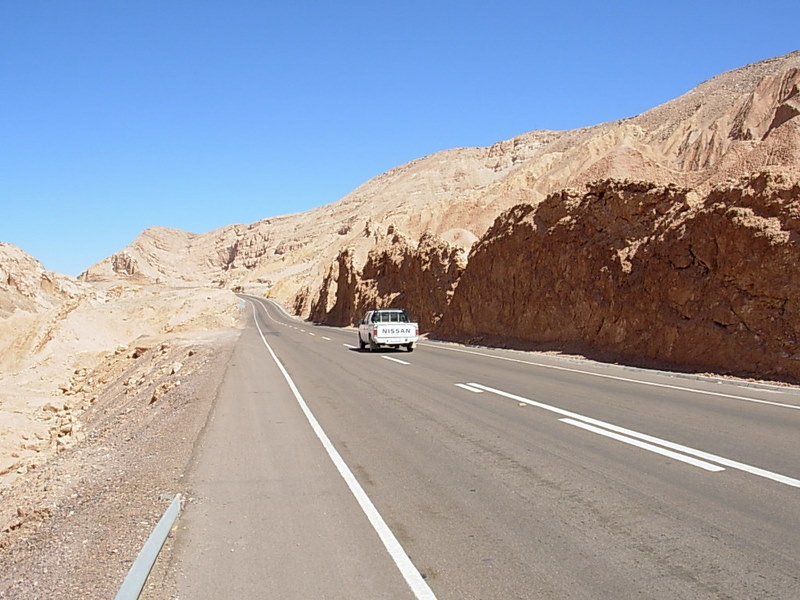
column 645, row 273
column 740, row 122
column 419, row 277
column 25, row 285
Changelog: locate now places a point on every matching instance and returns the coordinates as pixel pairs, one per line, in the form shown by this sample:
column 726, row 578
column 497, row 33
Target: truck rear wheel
column 372, row 345
column 410, row 347
column 361, row 343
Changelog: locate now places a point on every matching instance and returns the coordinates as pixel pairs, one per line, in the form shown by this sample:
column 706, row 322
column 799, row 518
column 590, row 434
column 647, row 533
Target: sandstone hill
column 32, row 301
column 27, row 286
column 734, row 124
column 103, row 391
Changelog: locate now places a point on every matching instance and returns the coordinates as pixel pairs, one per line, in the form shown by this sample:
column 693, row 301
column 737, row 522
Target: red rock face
column 418, row 277
column 644, row 273
column 725, row 283
column 335, row 303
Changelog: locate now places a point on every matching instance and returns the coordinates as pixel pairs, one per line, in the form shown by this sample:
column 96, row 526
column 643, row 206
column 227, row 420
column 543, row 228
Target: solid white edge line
column 410, row 573
column 618, row 378
column 644, row 445
column 469, row 388
column 648, row 438
column 397, row 360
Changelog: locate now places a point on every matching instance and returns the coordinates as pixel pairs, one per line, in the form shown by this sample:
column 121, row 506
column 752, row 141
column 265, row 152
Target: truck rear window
column 390, row 317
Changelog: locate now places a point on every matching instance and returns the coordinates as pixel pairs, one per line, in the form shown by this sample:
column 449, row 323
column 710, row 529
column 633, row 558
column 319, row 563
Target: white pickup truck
column 387, row 327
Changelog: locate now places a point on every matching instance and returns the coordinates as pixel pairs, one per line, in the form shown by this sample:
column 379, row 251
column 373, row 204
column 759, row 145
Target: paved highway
column 467, row 473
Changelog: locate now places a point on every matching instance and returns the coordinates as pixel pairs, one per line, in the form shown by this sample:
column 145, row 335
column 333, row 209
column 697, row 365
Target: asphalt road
column 499, row 474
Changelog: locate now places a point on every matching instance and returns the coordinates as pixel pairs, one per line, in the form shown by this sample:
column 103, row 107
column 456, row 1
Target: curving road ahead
column 465, row 473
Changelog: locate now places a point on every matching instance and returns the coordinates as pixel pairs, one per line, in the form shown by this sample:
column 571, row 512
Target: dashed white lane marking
column 649, row 438
column 469, row 388
column 397, row 360
column 644, row 445
column 618, row 378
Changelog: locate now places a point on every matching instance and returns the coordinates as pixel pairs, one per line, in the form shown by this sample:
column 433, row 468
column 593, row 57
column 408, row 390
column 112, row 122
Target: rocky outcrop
column 419, row 277
column 644, row 273
column 713, row 136
column 25, row 284
column 335, row 304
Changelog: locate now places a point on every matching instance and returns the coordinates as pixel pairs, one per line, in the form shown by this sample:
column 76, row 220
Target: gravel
column 72, row 527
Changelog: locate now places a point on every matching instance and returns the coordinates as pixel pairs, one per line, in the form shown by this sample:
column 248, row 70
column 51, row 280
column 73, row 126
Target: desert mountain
column 404, row 236
column 32, row 300
column 103, row 391
column 736, row 123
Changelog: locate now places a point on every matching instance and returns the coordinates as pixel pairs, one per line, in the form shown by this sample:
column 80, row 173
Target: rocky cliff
column 32, row 302
column 419, row 277
column 644, row 273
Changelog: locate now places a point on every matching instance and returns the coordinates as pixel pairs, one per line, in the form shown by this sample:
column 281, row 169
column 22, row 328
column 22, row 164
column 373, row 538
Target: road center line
column 651, row 447
column 397, row 360
column 410, row 573
column 648, row 438
column 469, row 388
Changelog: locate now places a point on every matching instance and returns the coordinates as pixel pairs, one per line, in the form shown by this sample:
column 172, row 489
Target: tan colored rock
column 26, row 286
column 56, row 362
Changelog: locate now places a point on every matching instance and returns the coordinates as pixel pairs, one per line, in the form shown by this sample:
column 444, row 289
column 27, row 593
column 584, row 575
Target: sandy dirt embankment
column 101, row 400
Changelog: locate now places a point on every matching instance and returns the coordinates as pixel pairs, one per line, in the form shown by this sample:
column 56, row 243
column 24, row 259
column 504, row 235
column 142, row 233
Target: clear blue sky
column 115, row 116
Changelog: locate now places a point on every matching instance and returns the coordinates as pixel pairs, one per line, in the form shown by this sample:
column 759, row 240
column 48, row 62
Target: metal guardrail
column 137, row 575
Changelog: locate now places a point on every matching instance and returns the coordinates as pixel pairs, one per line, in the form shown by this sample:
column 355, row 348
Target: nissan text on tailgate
column 389, row 327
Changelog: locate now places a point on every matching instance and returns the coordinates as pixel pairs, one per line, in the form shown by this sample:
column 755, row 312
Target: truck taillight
column 374, row 332
column 416, row 332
